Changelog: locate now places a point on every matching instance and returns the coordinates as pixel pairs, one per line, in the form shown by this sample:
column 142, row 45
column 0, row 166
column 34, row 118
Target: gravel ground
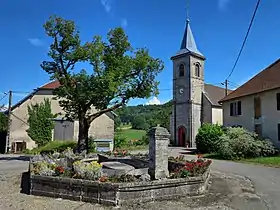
column 225, row 192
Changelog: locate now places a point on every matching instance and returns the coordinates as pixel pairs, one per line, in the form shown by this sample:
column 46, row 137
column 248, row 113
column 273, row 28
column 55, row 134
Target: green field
column 131, row 134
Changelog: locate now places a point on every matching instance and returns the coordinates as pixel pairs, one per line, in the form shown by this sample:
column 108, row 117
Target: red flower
column 60, row 169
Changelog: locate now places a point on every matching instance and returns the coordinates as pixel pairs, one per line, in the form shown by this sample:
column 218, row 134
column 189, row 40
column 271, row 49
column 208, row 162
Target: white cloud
column 153, row 101
column 222, row 4
column 124, row 22
column 107, row 5
column 36, row 42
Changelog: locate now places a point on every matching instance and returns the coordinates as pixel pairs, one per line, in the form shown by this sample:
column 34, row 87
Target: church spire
column 188, row 43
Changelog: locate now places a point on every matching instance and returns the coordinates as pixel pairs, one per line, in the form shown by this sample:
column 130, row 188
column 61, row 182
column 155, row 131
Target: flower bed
column 180, row 168
column 77, row 179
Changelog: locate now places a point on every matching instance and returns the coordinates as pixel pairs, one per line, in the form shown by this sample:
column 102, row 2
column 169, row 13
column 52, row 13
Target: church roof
column 188, row 43
column 267, row 79
column 214, row 93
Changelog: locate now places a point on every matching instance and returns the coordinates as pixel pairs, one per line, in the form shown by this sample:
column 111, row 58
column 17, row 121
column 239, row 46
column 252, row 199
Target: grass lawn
column 132, row 134
column 266, row 161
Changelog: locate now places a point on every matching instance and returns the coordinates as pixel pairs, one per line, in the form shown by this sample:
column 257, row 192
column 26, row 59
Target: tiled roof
column 267, row 79
column 214, row 93
column 51, row 85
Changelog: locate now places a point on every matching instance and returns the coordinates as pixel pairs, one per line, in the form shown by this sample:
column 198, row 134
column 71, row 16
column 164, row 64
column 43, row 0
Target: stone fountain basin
column 117, row 193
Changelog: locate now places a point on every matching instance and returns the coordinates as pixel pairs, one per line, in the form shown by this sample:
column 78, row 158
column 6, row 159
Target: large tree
column 117, row 73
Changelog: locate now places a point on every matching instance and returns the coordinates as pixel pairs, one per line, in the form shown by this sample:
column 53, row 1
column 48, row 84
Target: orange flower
column 103, row 179
column 199, row 156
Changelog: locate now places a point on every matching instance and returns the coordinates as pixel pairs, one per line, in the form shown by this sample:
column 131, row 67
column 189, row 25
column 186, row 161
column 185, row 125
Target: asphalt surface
column 266, row 180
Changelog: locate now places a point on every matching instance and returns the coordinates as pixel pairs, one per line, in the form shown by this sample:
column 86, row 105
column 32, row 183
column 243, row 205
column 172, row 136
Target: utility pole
column 226, row 90
column 9, row 123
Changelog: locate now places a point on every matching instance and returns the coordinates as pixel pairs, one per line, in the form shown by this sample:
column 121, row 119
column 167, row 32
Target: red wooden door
column 182, row 136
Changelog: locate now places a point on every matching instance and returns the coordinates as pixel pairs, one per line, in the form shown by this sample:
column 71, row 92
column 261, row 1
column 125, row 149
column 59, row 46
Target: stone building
column 194, row 101
column 101, row 128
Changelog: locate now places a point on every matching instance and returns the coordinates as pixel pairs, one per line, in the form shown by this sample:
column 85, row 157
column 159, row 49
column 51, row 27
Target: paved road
column 265, row 179
column 13, row 163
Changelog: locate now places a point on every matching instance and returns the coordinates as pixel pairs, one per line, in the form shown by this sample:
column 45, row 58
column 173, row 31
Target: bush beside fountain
column 119, row 180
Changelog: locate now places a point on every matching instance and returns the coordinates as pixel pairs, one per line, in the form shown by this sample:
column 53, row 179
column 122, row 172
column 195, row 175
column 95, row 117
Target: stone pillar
column 158, row 152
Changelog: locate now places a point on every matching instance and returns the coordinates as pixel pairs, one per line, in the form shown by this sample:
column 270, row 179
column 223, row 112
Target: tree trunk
column 83, row 135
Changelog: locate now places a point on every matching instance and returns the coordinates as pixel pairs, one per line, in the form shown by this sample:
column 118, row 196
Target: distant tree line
column 143, row 117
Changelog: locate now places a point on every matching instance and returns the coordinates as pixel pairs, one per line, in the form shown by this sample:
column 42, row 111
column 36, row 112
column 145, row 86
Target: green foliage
column 238, row 143
column 153, row 114
column 117, row 122
column 139, row 123
column 120, row 140
column 141, row 142
column 208, row 137
column 53, row 146
column 91, row 145
column 119, row 72
column 3, row 122
column 40, row 122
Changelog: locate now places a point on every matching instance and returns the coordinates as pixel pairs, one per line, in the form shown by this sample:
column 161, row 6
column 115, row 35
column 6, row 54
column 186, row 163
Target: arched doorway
column 182, row 136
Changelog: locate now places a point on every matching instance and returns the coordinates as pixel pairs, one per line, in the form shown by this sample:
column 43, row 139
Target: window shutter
column 278, row 101
column 231, row 109
column 239, row 112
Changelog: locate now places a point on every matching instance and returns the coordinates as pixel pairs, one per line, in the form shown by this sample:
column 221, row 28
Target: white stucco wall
column 269, row 120
column 217, row 115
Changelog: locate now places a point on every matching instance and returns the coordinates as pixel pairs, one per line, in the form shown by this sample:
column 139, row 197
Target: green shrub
column 53, row 146
column 91, row 145
column 239, row 143
column 143, row 141
column 119, row 141
column 208, row 137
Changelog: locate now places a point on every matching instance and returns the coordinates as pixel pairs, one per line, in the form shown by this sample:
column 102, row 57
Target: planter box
column 117, row 193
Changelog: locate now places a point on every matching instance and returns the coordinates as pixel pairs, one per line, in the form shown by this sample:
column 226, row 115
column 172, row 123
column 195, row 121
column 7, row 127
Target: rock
column 116, row 168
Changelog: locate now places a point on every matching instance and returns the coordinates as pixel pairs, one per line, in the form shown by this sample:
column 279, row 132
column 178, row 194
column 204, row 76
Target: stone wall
column 117, row 193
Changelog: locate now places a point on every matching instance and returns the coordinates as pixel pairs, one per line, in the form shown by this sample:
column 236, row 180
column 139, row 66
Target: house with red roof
column 256, row 104
column 101, row 128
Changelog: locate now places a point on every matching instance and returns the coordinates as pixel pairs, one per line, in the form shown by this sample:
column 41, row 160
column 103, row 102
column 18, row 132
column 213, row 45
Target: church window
column 181, row 70
column 197, row 70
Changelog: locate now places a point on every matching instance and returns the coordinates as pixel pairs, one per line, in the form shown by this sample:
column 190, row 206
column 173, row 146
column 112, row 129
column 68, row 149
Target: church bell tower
column 188, row 85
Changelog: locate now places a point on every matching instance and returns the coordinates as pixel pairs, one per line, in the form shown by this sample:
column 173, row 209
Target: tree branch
column 101, row 112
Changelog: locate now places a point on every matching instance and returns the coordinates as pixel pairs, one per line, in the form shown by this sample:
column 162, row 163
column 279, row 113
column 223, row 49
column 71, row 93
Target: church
column 194, row 102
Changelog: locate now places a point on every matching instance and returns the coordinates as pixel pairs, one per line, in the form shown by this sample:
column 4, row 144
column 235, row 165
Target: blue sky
column 219, row 27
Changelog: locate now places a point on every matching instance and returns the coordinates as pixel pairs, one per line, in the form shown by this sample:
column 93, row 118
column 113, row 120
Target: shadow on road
column 21, row 158
column 25, row 183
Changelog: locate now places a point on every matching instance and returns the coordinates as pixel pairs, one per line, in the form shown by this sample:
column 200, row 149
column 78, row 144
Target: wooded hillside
column 143, row 117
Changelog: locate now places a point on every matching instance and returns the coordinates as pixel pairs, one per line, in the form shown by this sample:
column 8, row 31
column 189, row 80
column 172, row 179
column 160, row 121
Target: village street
column 264, row 195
